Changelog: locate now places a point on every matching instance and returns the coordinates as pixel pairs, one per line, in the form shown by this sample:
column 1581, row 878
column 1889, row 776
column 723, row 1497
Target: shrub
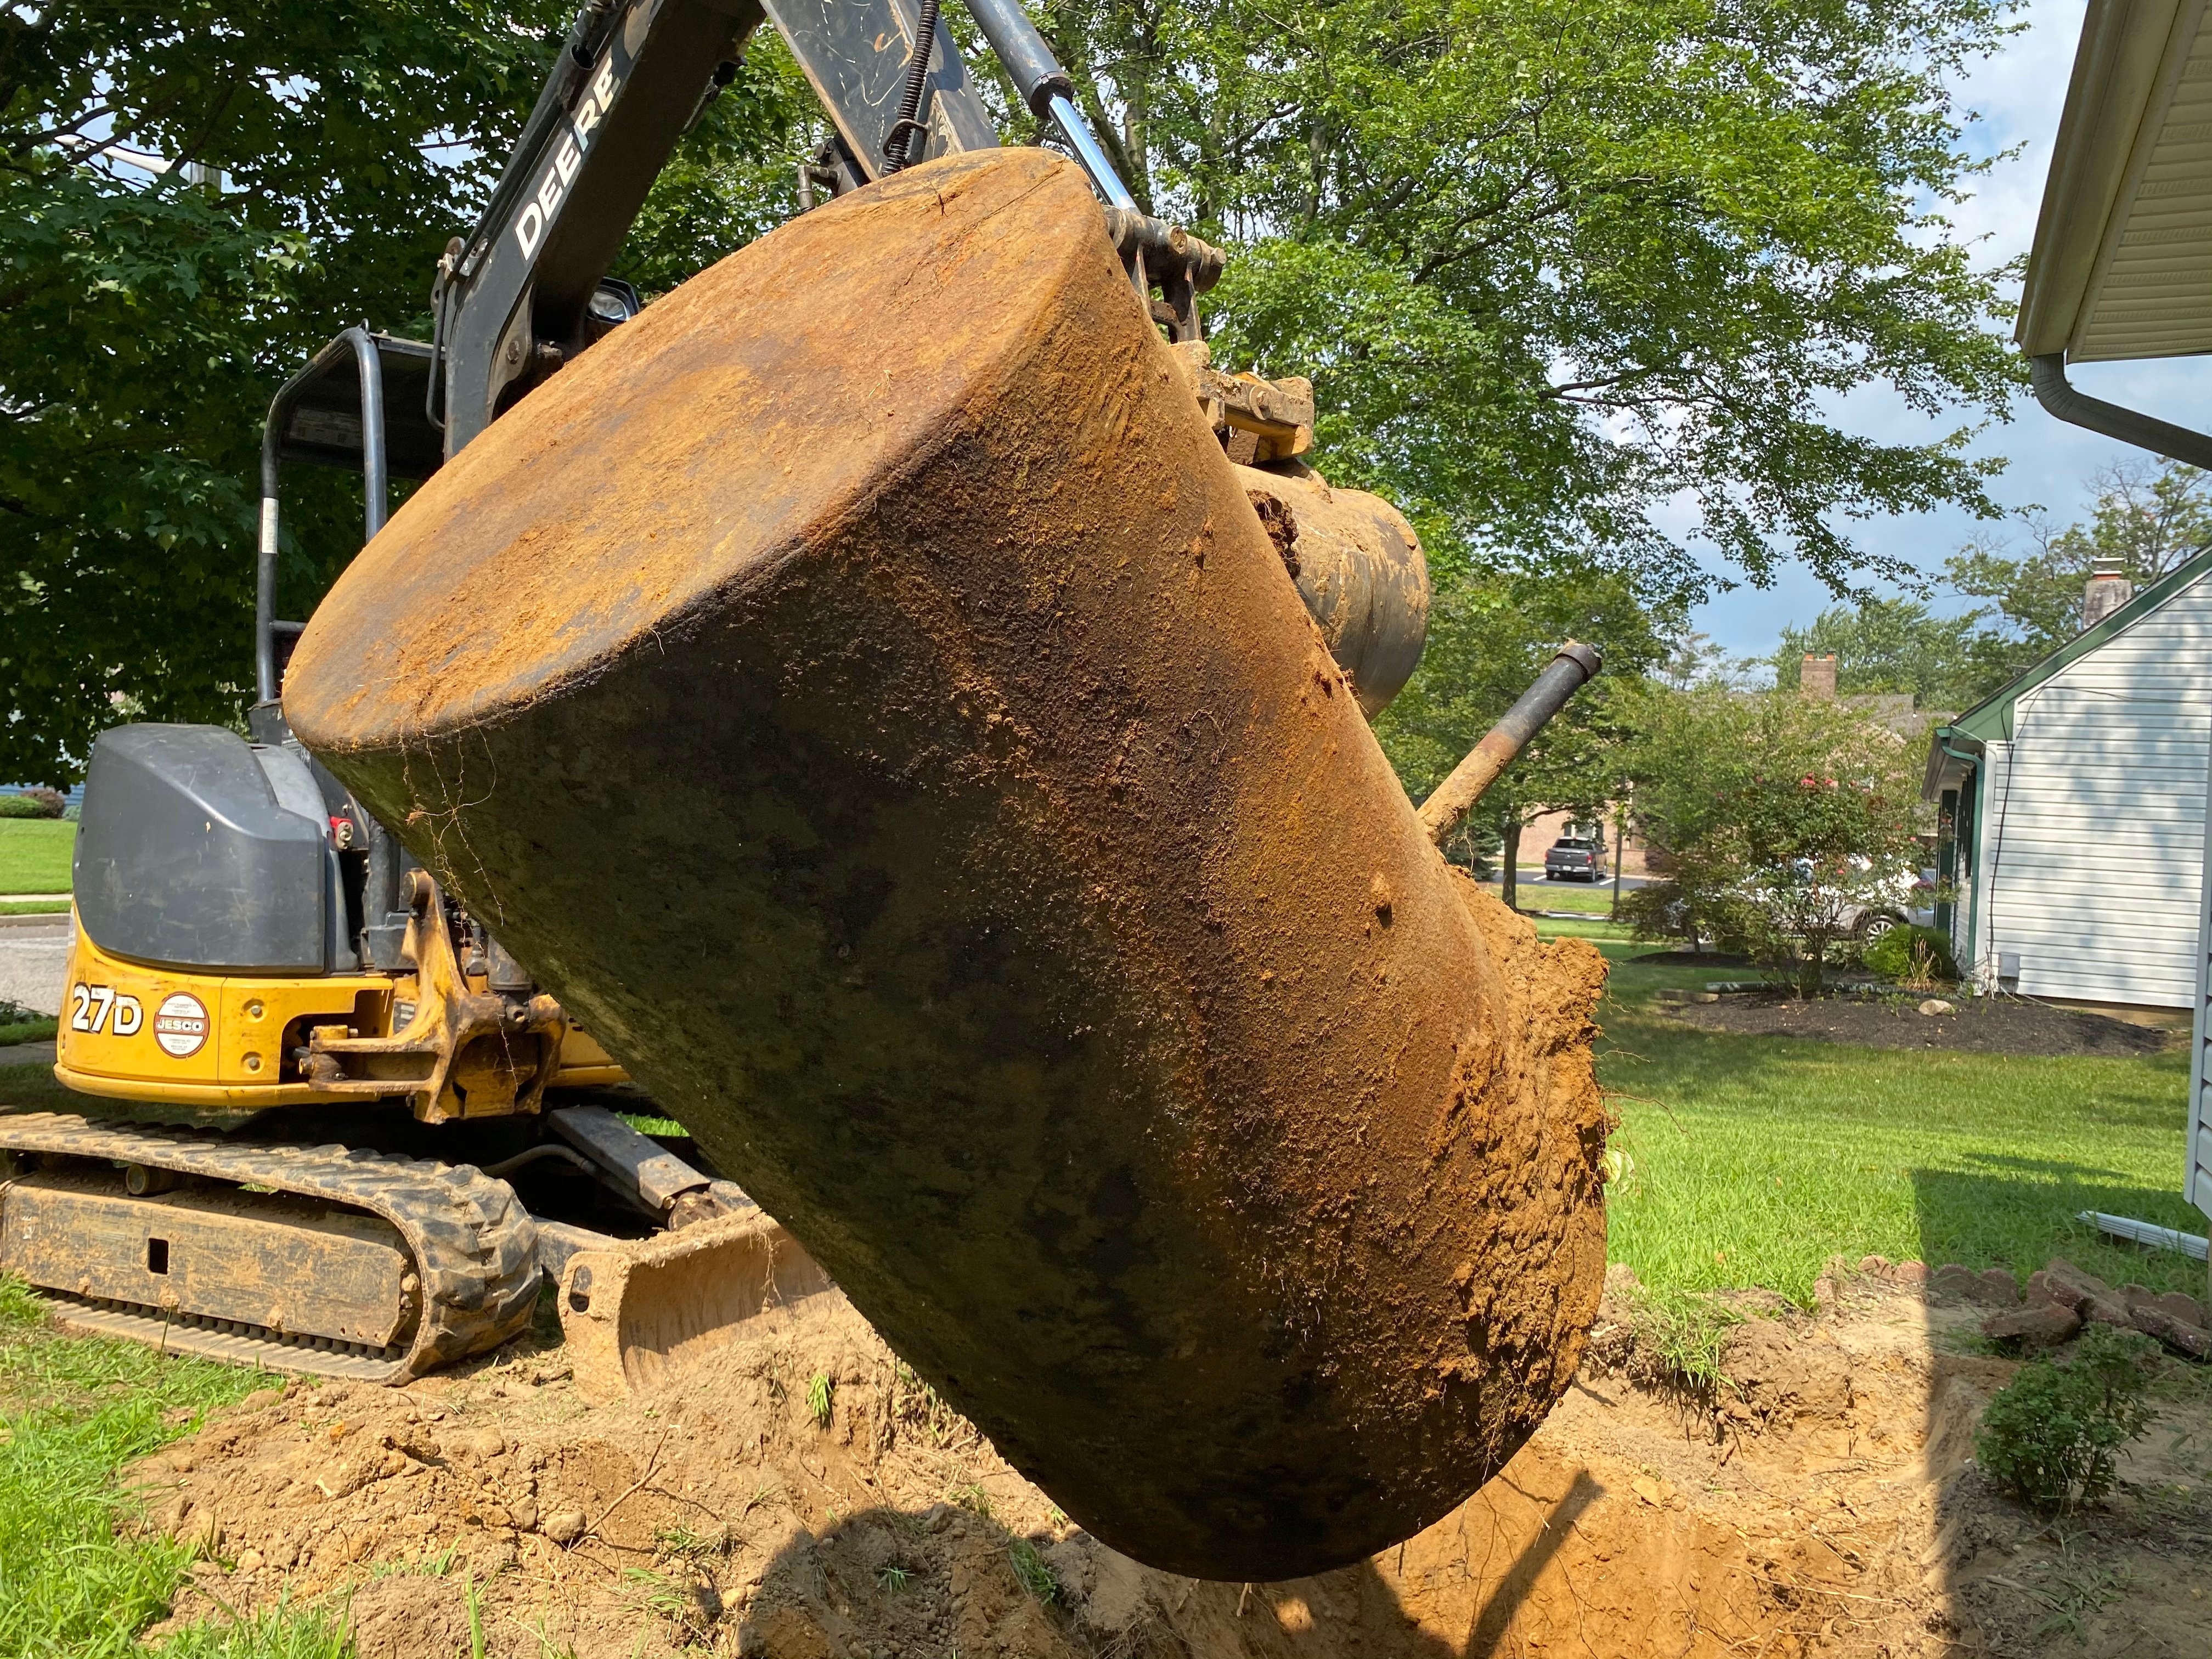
column 37, row 802
column 1912, row 956
column 1784, row 818
column 2050, row 1435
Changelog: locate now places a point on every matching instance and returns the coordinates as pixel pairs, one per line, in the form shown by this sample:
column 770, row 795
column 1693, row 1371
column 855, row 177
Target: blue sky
column 2019, row 94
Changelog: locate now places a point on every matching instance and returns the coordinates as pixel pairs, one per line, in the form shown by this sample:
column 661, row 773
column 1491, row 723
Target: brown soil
column 1828, row 1507
column 1996, row 1025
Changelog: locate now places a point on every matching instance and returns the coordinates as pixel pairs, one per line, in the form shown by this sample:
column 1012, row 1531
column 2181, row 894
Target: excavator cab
column 246, row 936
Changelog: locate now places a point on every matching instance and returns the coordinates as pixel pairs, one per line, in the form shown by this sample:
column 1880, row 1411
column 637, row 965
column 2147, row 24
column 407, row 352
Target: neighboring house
column 1899, row 711
column 2072, row 806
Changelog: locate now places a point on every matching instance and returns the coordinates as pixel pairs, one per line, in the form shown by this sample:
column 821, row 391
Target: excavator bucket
column 862, row 689
column 633, row 1315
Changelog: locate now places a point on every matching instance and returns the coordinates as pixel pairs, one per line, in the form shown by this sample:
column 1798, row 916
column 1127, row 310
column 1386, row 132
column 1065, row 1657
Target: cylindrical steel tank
column 1358, row 566
column 861, row 689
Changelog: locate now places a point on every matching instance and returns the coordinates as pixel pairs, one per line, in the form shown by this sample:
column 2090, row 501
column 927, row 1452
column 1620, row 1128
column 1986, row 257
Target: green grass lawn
column 1751, row 1160
column 34, row 854
column 73, row 1412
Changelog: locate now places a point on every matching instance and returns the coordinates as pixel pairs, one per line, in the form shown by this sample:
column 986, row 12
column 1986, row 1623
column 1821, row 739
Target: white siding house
column 2076, row 800
column 2106, row 740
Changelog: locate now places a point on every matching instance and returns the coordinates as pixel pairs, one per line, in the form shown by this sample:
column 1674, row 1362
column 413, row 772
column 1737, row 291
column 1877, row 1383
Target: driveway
column 32, row 959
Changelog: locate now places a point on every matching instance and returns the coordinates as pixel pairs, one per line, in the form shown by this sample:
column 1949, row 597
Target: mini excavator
column 331, row 1125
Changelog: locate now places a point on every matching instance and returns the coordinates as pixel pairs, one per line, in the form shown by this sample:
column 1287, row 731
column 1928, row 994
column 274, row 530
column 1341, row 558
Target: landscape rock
column 2037, row 1289
column 1934, row 1005
column 566, row 1527
column 1706, row 996
column 2153, row 1321
column 1954, row 1281
column 2087, row 1295
column 2185, row 1308
column 1908, row 1273
column 2039, row 1325
column 1874, row 1267
column 1999, row 1288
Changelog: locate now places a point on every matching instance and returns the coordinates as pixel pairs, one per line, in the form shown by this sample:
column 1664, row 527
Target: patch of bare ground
column 1824, row 1503
column 1995, row 1025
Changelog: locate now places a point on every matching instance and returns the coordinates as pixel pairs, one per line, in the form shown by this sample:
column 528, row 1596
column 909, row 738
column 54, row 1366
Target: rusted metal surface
column 1360, row 568
column 861, row 689
column 1574, row 666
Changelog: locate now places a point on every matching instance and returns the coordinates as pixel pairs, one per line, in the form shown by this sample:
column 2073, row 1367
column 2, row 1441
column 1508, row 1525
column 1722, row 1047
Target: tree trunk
column 1510, row 875
column 1620, row 845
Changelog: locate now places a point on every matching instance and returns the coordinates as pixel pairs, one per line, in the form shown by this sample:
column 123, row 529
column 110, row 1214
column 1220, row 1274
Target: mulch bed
column 1990, row 1025
column 1693, row 959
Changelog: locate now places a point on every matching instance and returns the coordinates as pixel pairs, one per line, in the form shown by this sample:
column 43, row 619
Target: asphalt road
column 32, row 963
column 1532, row 874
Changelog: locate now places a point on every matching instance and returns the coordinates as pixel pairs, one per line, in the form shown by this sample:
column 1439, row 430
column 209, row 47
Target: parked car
column 1575, row 858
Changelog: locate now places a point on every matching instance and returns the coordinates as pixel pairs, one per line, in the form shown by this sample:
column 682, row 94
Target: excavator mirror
column 614, row 301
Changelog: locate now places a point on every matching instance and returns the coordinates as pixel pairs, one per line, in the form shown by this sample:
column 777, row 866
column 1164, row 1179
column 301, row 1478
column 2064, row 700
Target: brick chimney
column 2107, row 589
column 1816, row 677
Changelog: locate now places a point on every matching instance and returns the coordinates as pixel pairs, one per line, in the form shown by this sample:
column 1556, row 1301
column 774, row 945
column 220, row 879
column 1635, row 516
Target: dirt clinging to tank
column 1013, row 899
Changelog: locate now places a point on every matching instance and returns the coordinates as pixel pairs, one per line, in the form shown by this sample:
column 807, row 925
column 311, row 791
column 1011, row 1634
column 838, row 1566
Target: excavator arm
column 526, row 290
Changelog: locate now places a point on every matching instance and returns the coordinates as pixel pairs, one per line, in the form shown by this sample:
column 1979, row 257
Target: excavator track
column 470, row 1276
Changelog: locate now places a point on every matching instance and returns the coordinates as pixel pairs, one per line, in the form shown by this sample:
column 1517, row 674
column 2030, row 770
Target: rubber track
column 475, row 1248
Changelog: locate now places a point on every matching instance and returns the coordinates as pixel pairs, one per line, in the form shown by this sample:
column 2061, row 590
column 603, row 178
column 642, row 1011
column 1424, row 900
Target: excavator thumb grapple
column 864, row 690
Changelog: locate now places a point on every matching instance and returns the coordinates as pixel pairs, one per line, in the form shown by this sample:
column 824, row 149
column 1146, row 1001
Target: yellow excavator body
column 229, row 1043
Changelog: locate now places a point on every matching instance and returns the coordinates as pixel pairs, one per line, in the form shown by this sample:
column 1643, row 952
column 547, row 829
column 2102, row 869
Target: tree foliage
column 1489, row 638
column 1890, row 645
column 1555, row 263
column 1554, row 266
column 312, row 162
column 1783, row 821
column 2144, row 520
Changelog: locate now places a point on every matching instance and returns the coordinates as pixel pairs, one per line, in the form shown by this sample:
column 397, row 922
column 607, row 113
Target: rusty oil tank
column 862, row 690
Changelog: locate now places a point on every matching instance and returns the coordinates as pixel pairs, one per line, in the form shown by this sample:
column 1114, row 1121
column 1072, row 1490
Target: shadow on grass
column 2017, row 1213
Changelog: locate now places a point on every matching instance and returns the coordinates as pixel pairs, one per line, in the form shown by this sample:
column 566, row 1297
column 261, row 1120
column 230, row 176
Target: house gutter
column 2058, row 395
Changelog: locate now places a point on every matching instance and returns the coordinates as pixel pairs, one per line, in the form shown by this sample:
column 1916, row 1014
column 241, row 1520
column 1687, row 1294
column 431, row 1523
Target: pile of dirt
column 1996, row 1025
column 808, row 1496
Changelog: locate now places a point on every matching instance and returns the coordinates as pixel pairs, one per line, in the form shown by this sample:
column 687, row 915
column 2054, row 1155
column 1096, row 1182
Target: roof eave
column 2117, row 70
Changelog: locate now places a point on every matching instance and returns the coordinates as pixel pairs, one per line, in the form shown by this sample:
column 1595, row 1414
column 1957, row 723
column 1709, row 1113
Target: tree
column 1889, row 645
column 195, row 195
column 1555, row 267
column 1558, row 265
column 1785, row 820
column 2146, row 519
column 1488, row 639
